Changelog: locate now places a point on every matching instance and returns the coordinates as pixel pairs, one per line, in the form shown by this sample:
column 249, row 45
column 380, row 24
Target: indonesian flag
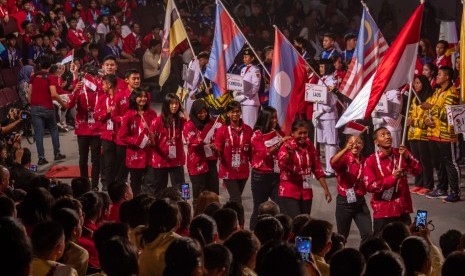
column 68, row 58
column 395, row 70
column 271, row 138
column 353, row 128
column 89, row 82
column 209, row 130
column 448, row 32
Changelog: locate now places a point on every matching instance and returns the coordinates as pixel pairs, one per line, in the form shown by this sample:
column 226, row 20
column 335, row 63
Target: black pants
column 121, row 172
column 108, row 163
column 156, row 179
column 235, row 188
column 379, row 223
column 446, row 165
column 420, row 150
column 264, row 186
column 358, row 212
column 137, row 179
column 206, row 181
column 92, row 143
column 294, row 207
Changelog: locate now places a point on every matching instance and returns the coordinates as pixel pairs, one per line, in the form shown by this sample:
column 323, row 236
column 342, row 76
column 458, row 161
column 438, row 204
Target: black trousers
column 379, row 223
column 358, row 212
column 264, row 186
column 108, row 162
column 208, row 181
column 448, row 171
column 92, row 143
column 420, row 150
column 294, row 207
column 137, row 179
column 235, row 188
column 121, row 172
column 156, row 179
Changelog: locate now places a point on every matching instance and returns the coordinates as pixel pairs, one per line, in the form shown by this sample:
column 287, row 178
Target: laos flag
column 227, row 43
column 288, row 75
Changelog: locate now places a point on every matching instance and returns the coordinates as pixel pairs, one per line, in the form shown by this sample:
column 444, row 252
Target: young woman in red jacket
column 87, row 128
column 232, row 142
column 168, row 155
column 201, row 156
column 135, row 133
column 266, row 140
column 298, row 159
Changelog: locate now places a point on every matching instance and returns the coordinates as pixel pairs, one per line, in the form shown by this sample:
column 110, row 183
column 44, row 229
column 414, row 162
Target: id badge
column 208, row 151
column 110, row 125
column 387, row 195
column 90, row 117
column 236, row 160
column 350, row 194
column 275, row 166
column 307, row 181
column 172, row 152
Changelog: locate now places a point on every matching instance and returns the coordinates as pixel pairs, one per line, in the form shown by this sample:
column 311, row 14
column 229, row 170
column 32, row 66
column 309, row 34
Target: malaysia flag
column 227, row 43
column 395, row 70
column 288, row 74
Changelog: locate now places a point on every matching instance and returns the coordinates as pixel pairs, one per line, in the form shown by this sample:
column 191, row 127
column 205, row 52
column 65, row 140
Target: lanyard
column 115, row 52
column 12, row 57
column 299, row 158
column 327, row 56
column 144, row 122
column 174, row 132
column 231, row 137
column 379, row 164
column 87, row 98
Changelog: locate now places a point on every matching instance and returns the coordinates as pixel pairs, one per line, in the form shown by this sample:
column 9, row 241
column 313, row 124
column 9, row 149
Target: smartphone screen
column 33, row 168
column 421, row 219
column 304, row 247
column 185, row 191
column 23, row 116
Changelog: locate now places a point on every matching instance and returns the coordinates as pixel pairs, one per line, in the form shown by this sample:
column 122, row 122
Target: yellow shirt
column 152, row 258
column 323, row 267
column 442, row 132
column 41, row 267
column 417, row 131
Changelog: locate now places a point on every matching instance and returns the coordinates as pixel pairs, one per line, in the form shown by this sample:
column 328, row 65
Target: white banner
column 456, row 114
column 234, row 82
column 316, row 93
column 383, row 105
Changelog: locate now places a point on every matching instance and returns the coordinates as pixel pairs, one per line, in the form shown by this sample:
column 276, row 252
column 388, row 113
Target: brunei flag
column 173, row 35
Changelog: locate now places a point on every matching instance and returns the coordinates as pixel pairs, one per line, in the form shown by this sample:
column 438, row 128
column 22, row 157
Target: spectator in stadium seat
column 244, row 247
column 218, row 260
column 12, row 56
column 226, row 220
column 150, row 61
column 203, row 229
column 132, row 41
column 111, row 48
column 75, row 37
column 385, row 263
column 454, row 264
column 450, row 242
column 119, row 257
column 118, row 192
column 35, row 50
column 16, row 249
column 320, row 232
column 184, row 257
column 35, row 208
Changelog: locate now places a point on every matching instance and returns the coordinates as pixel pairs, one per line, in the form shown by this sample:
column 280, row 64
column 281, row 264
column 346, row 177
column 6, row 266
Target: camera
column 25, row 115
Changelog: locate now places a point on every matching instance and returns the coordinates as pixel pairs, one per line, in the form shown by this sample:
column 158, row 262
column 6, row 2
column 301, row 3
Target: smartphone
column 304, row 247
column 24, row 116
column 33, row 168
column 421, row 220
column 185, row 191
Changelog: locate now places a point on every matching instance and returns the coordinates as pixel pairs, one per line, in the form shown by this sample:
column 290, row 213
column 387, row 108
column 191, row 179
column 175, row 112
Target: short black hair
column 203, row 229
column 454, row 265
column 448, row 71
column 286, row 223
column 7, row 207
column 268, row 229
column 373, row 245
column 185, row 210
column 375, row 133
column 394, row 233
column 45, row 61
column 118, row 256
column 239, row 208
column 111, row 79
column 69, row 220
column 117, row 190
column 385, row 263
column 347, row 262
column 415, row 252
column 450, row 242
column 129, row 72
column 109, row 231
column 138, row 210
column 329, row 35
column 61, row 190
column 226, row 221
column 15, row 249
column 45, row 237
column 217, row 256
column 92, row 205
column 80, row 185
column 109, row 57
column 320, row 232
column 443, row 42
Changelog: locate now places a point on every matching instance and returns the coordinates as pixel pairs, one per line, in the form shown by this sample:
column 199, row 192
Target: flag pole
column 246, row 40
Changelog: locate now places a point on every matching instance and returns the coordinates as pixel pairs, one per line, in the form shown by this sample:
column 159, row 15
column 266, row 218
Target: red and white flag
column 89, row 82
column 68, row 58
column 271, row 138
column 395, row 70
column 354, row 128
column 209, row 130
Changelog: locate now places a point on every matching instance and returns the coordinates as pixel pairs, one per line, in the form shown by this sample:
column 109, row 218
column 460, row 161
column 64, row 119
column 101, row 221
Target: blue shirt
column 34, row 53
column 11, row 58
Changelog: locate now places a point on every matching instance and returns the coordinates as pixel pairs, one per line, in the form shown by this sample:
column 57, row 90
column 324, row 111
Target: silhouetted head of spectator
column 298, row 224
column 320, row 232
column 338, row 242
column 36, row 207
column 203, row 229
column 69, row 220
column 394, row 234
column 91, row 205
column 183, row 257
column 385, row 263
column 80, row 185
column 212, row 208
column 118, row 256
column 106, row 204
column 268, row 229
column 347, row 262
column 450, row 242
column 415, row 252
column 70, row 203
column 40, row 181
column 282, row 259
column 7, row 207
column 204, row 199
column 244, row 247
column 45, row 62
column 119, row 191
column 286, row 223
column 186, row 215
column 15, row 249
column 226, row 221
column 61, row 190
column 135, row 212
column 372, row 246
column 109, row 231
column 163, row 218
column 454, row 265
column 218, row 259
column 239, row 208
column 268, row 207
column 48, row 240
column 172, row 194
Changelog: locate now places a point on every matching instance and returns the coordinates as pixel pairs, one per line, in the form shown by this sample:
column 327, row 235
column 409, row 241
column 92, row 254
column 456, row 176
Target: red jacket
column 225, row 151
column 303, row 161
column 349, row 173
column 131, row 43
column 162, row 139
column 379, row 179
column 134, row 130
column 87, row 242
column 88, row 16
column 443, row 61
column 102, row 115
column 76, row 38
column 121, row 102
column 196, row 157
column 86, row 101
column 262, row 160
